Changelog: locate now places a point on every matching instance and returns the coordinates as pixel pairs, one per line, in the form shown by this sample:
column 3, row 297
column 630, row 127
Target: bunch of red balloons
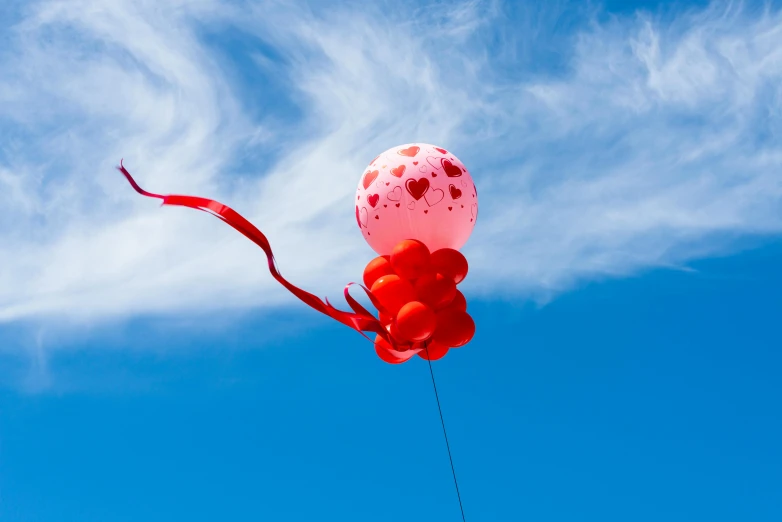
column 422, row 309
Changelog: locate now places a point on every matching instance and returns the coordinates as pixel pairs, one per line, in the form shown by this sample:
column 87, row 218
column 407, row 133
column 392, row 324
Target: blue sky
column 624, row 274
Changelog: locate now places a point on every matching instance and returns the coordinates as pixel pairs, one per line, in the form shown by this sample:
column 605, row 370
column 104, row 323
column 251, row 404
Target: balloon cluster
column 421, row 308
column 409, row 197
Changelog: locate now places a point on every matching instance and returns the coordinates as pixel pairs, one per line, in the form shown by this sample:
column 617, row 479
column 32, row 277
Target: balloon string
column 360, row 320
column 445, row 433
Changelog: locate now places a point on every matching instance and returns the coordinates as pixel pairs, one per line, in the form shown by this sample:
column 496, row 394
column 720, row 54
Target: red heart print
column 426, row 211
column 451, row 170
column 369, row 177
column 358, row 219
column 377, row 217
column 398, row 171
column 397, row 204
column 434, row 175
column 373, row 199
column 415, row 163
column 409, row 152
column 450, row 208
column 455, row 192
column 417, row 188
column 441, row 151
column 385, row 206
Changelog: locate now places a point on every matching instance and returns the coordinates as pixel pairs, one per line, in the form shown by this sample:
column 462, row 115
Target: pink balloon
column 416, row 191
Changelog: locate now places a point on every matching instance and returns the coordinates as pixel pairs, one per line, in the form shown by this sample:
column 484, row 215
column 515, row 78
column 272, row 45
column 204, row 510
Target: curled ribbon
column 360, row 319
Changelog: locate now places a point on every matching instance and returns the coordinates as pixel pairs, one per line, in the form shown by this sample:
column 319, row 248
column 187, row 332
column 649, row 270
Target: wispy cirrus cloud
column 600, row 145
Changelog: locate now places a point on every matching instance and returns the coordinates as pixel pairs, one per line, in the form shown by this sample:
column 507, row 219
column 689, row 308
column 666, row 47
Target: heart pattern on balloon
column 369, row 177
column 417, row 187
column 441, row 151
column 363, row 216
column 373, row 199
column 410, row 152
column 451, row 170
column 398, row 171
column 434, row 162
column 411, row 205
column 455, row 192
column 396, row 194
column 433, row 197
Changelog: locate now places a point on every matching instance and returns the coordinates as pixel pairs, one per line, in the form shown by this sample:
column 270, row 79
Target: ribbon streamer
column 360, row 319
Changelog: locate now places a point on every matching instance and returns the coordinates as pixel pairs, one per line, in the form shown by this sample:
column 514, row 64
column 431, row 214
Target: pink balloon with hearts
column 416, row 191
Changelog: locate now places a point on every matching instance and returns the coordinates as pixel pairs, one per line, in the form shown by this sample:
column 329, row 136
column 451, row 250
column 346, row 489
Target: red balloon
column 384, row 319
column 376, row 269
column 451, row 263
column 433, row 351
column 435, row 290
column 458, row 303
column 393, row 292
column 454, row 328
column 410, row 259
column 394, row 332
column 416, row 321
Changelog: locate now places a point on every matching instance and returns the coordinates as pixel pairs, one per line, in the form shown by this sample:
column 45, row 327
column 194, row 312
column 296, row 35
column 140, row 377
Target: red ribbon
column 360, row 319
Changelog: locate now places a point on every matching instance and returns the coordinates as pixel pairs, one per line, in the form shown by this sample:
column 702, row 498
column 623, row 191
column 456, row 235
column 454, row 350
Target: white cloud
column 650, row 139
